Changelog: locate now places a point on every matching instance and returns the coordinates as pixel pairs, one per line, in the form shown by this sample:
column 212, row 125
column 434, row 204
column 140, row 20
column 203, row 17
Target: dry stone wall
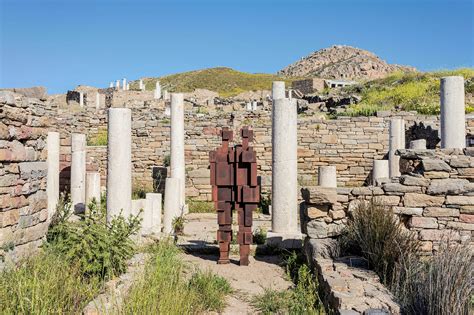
column 23, row 202
column 349, row 143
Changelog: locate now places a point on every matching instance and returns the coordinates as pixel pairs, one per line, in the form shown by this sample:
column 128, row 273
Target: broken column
column 453, row 117
column 111, row 85
column 254, row 105
column 172, row 209
column 166, row 95
column 157, row 94
column 284, row 173
column 141, row 85
column 151, row 223
column 380, row 170
column 327, row 176
column 419, row 144
column 93, row 187
column 78, row 172
column 396, row 142
column 177, row 164
column 97, row 100
column 117, row 85
column 81, row 99
column 124, row 84
column 119, row 162
column 52, row 183
column 278, row 90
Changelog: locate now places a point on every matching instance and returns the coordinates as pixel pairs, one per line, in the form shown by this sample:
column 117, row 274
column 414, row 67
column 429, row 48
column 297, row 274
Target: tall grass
column 163, row 288
column 46, row 284
column 441, row 284
column 375, row 232
column 198, row 206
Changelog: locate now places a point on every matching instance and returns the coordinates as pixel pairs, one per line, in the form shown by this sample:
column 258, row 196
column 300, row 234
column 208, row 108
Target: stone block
column 461, row 226
column 33, row 170
column 408, row 211
column 422, row 222
column 438, row 235
column 460, row 200
column 422, row 200
column 467, row 218
column 414, row 180
column 435, row 165
column 317, row 211
column 399, row 188
column 440, row 212
column 451, row 186
column 319, row 195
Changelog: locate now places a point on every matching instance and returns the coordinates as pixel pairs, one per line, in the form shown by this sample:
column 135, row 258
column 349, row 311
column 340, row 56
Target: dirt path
column 246, row 281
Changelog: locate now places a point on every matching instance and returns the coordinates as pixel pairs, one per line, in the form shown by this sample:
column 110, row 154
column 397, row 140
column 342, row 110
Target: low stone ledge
column 346, row 287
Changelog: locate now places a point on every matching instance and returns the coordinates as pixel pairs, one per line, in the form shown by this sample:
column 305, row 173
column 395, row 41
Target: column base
column 285, row 240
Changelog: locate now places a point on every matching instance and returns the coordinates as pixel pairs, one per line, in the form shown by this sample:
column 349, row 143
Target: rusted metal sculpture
column 234, row 187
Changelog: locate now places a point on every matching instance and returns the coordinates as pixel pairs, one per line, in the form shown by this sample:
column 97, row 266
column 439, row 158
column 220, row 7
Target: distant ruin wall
column 349, row 143
column 23, row 170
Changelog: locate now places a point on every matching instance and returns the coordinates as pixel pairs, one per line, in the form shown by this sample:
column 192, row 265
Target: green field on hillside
column 407, row 91
column 226, row 81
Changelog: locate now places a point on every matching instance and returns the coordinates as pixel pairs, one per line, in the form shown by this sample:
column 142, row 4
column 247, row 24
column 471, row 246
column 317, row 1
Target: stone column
column 117, row 84
column 124, row 84
column 396, row 141
column 453, row 117
column 248, row 106
column 141, row 85
column 92, row 187
column 172, row 204
column 128, row 86
column 119, row 162
column 78, row 172
column 419, row 144
column 254, row 105
column 278, row 90
column 111, row 85
column 380, row 170
column 157, row 94
column 166, row 95
column 81, row 99
column 52, row 183
column 284, row 173
column 327, row 176
column 97, row 100
column 177, row 143
column 151, row 223
column 290, row 94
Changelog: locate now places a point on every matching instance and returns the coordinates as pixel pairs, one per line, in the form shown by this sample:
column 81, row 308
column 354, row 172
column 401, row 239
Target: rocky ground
column 264, row 271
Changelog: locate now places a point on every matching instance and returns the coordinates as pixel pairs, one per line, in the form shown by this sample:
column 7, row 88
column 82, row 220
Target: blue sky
column 62, row 43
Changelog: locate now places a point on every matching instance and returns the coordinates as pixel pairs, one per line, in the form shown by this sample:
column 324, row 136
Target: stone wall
column 434, row 198
column 23, row 171
column 349, row 143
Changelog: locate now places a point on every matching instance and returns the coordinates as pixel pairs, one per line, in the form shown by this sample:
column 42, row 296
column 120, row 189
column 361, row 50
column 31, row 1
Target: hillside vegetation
column 407, row 91
column 226, row 81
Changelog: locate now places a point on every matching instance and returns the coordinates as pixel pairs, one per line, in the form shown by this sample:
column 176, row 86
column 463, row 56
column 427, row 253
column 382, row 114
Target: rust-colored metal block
column 224, row 217
column 223, row 174
column 224, row 193
column 250, row 194
column 249, row 156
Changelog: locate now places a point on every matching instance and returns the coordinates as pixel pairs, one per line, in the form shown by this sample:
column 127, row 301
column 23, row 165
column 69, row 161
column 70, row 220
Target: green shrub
column 259, row 236
column 272, row 301
column 211, row 289
column 46, row 283
column 99, row 139
column 167, row 160
column 98, row 248
column 197, row 206
column 405, row 91
column 168, row 291
column 265, row 203
column 178, row 225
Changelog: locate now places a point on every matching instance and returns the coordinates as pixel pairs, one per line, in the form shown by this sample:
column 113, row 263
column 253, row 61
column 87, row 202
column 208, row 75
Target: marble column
column 92, row 187
column 254, row 105
column 97, row 100
column 396, row 142
column 177, row 143
column 117, row 85
column 285, row 230
column 453, row 117
column 141, row 85
column 151, row 223
column 81, row 99
column 172, row 207
column 119, row 162
column 380, row 170
column 52, row 180
column 128, row 86
column 166, row 95
column 419, row 144
column 157, row 94
column 111, row 85
column 78, row 172
column 327, row 176
column 278, row 90
column 124, row 84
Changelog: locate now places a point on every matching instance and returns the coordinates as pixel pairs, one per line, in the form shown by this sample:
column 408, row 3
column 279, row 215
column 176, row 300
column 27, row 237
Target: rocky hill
column 342, row 62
